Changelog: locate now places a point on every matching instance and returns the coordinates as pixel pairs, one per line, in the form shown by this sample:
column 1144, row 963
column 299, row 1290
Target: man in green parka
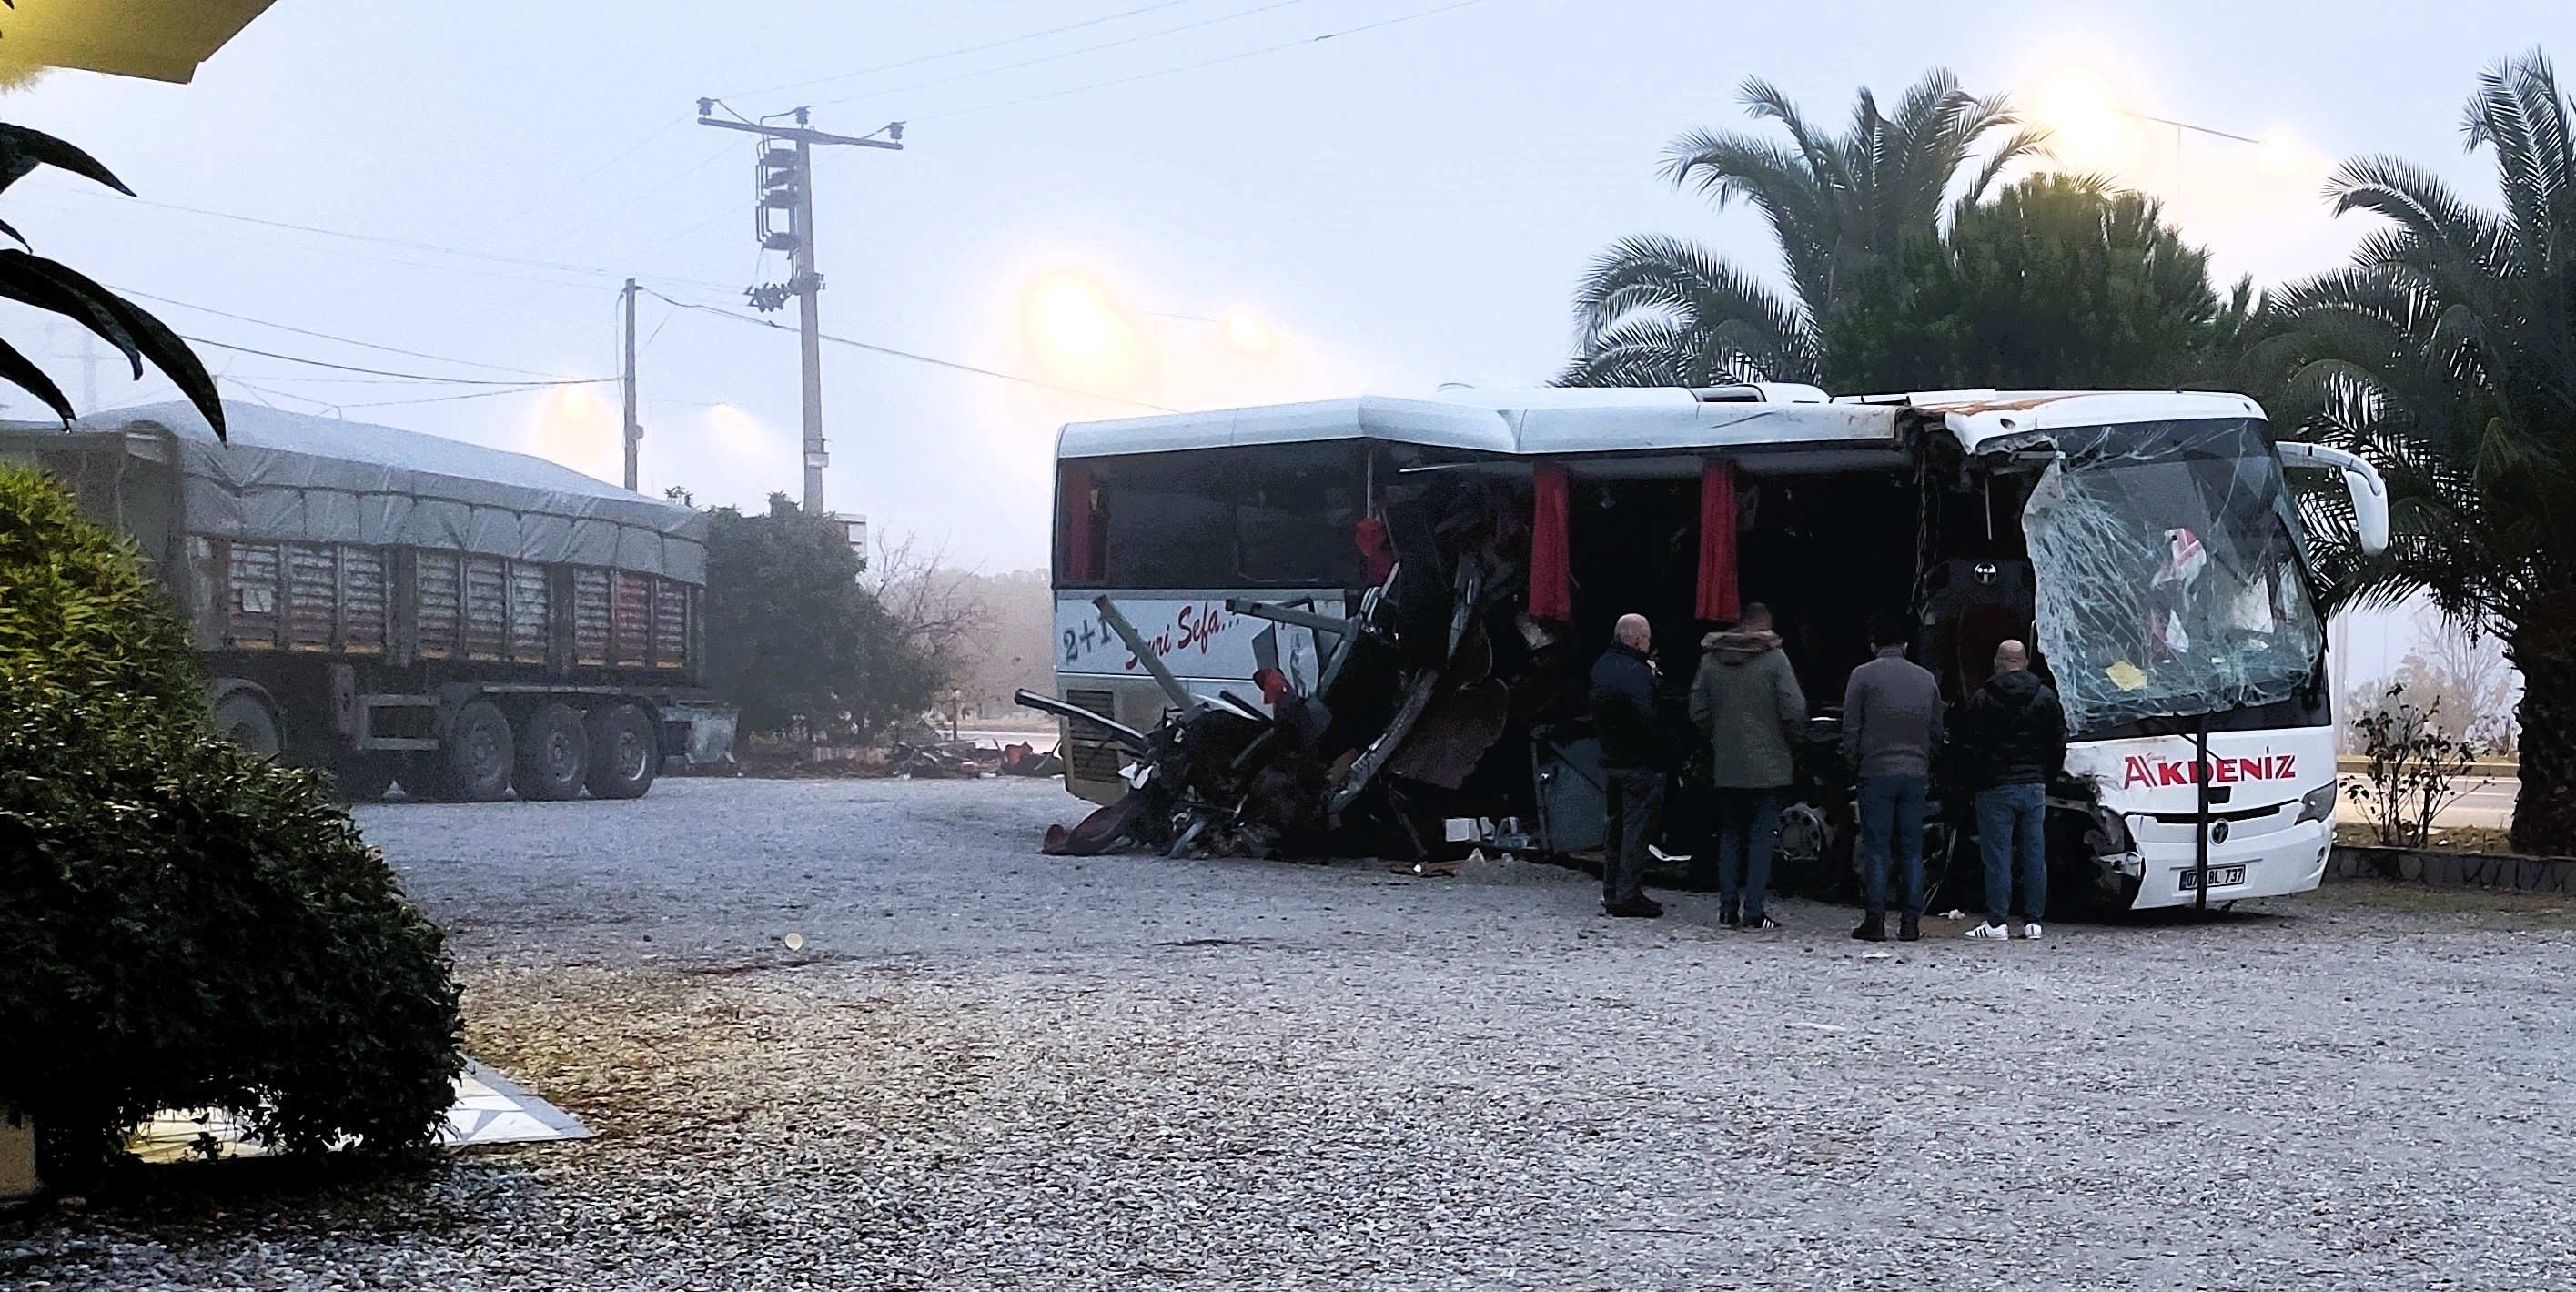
column 1747, row 702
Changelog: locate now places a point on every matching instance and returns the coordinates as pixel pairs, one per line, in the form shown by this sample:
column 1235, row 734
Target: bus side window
column 1296, row 528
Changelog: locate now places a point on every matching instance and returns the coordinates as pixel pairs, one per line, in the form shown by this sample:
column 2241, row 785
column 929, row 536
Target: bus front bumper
column 2269, row 864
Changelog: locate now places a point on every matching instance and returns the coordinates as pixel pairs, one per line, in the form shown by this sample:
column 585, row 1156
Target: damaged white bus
column 1430, row 579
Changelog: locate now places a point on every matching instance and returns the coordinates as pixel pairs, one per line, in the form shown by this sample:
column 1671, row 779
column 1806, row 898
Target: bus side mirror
column 2360, row 480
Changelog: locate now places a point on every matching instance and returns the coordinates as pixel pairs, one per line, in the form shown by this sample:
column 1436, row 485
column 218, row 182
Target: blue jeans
column 1891, row 810
column 2008, row 832
column 1748, row 828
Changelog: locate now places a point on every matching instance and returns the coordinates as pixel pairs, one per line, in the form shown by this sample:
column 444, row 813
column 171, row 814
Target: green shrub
column 181, row 925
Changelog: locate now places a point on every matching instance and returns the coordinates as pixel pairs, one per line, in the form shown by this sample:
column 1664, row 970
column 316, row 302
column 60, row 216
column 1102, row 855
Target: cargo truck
column 393, row 607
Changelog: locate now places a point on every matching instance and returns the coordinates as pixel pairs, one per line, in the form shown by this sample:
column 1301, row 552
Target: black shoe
column 1727, row 916
column 1909, row 927
column 1644, row 908
column 1757, row 923
column 1873, row 927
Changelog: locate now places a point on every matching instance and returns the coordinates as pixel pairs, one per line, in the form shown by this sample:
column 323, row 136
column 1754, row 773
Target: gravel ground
column 990, row 1069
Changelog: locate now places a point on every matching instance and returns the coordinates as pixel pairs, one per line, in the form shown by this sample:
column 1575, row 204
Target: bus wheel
column 553, row 756
column 625, row 752
column 244, row 719
column 474, row 759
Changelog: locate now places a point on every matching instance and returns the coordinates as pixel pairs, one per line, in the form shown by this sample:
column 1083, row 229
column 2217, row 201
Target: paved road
column 988, row 1069
column 2485, row 801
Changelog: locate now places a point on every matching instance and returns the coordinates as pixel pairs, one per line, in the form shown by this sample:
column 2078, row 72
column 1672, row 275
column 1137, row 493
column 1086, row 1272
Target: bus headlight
column 2317, row 804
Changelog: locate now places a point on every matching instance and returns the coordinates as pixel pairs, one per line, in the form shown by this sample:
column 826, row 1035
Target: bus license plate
column 2219, row 877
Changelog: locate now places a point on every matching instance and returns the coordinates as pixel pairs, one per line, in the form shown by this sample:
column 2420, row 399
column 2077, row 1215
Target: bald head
column 2011, row 657
column 1634, row 632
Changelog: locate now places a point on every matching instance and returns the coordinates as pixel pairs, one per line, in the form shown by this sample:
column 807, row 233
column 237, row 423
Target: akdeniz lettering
column 2143, row 770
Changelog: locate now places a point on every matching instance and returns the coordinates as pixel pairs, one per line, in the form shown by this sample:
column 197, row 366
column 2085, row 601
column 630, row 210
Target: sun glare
column 1248, row 334
column 578, row 429
column 2280, row 155
column 2083, row 119
column 1076, row 328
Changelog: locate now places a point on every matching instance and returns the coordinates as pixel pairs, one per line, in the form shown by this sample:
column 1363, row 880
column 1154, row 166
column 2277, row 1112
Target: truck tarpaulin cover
column 2170, row 576
column 287, row 477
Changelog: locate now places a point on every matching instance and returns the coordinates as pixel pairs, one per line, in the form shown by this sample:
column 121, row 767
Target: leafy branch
column 57, row 288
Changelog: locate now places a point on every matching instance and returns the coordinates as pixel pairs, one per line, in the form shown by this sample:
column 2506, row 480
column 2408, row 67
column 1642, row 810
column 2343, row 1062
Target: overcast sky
column 1393, row 207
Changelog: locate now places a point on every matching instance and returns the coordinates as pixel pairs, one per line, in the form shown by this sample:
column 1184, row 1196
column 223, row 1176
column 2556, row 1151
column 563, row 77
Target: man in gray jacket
column 1747, row 702
column 1891, row 724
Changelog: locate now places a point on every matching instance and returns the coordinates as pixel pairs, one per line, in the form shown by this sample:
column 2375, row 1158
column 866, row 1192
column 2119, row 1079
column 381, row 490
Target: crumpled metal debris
column 1409, row 706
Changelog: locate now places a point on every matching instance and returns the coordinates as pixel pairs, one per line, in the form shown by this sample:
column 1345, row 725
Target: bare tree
column 2470, row 684
column 931, row 602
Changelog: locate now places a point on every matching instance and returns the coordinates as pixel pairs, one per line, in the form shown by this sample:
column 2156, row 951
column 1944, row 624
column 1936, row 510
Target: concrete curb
column 2433, row 869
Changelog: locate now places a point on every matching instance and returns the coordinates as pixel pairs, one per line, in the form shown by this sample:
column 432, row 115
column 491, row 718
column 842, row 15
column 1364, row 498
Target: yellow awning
column 163, row 40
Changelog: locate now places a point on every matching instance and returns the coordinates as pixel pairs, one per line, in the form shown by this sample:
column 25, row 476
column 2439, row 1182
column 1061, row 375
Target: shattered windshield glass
column 2171, row 578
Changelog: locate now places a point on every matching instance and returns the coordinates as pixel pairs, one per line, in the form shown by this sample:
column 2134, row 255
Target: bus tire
column 625, row 752
column 553, row 755
column 475, row 758
column 246, row 720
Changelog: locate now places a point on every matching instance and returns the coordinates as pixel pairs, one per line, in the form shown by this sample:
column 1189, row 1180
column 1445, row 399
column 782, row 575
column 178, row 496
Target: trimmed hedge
column 182, row 925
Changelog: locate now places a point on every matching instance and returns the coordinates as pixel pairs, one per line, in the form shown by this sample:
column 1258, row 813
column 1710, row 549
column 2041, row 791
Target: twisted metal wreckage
column 1232, row 777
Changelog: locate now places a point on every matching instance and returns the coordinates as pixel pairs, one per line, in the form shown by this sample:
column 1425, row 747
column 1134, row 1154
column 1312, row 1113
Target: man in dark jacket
column 2014, row 735
column 1891, row 724
column 1637, row 752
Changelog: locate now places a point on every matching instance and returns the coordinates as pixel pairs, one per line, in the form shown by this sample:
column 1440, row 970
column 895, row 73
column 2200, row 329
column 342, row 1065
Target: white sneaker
column 2030, row 930
column 1995, row 931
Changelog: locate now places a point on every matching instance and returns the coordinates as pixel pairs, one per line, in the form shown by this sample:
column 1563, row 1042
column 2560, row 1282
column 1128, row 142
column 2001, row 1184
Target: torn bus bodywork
column 1423, row 586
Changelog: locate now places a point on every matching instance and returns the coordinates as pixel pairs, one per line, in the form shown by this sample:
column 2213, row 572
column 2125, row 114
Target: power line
column 1049, row 58
column 409, row 376
column 906, row 354
column 325, row 336
column 732, row 208
column 953, row 53
column 588, row 271
column 1192, row 67
column 444, row 399
column 623, row 207
column 587, row 176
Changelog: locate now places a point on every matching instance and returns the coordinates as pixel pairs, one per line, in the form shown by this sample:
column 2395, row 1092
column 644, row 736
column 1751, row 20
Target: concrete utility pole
column 634, row 429
column 787, row 184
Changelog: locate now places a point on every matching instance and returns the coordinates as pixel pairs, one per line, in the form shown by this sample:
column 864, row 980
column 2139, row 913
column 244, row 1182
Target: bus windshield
column 2171, row 579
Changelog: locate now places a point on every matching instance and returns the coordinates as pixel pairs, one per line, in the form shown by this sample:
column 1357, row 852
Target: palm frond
column 1653, row 294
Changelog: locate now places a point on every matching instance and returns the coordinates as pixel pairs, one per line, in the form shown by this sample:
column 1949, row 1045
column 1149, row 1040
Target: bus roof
column 1511, row 423
column 1559, row 422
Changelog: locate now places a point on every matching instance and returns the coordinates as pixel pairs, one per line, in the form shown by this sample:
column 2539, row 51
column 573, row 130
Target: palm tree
column 1661, row 311
column 2446, row 354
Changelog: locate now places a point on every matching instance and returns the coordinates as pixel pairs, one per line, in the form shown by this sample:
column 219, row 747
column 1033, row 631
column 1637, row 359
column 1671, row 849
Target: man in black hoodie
column 2014, row 735
column 1637, row 752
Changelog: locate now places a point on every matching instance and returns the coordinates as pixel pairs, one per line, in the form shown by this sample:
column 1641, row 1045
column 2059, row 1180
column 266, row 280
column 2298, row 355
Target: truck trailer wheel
column 244, row 719
column 625, row 752
column 554, row 755
column 474, row 760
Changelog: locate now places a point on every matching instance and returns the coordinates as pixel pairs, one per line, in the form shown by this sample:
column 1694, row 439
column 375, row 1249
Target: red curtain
column 1718, row 598
column 1073, row 516
column 1551, row 578
column 1376, row 553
